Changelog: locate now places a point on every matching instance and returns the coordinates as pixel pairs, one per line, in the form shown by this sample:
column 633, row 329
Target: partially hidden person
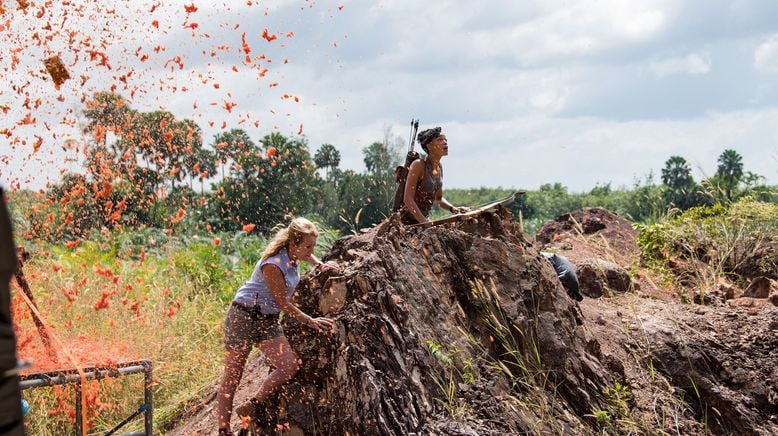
column 253, row 318
column 566, row 273
column 10, row 394
column 424, row 185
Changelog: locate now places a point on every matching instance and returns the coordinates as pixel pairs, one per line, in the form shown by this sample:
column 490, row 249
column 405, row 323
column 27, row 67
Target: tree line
column 149, row 169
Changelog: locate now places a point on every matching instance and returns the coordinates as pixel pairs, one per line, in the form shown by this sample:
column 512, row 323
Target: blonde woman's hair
column 294, row 232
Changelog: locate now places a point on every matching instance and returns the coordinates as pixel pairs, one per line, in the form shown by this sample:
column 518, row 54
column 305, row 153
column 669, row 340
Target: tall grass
column 134, row 295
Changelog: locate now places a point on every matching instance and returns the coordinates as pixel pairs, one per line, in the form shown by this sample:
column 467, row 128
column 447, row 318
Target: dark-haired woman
column 252, row 319
column 424, row 185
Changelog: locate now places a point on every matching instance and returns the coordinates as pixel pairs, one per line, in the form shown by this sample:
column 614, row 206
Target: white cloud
column 693, row 63
column 766, row 55
column 581, row 152
column 576, row 91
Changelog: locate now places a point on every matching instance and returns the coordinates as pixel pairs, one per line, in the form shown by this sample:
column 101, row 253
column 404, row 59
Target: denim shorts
column 245, row 327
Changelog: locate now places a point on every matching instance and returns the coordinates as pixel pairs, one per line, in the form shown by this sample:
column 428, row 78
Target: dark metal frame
column 54, row 378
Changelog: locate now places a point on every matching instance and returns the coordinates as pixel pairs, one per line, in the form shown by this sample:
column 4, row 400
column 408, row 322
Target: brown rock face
column 589, row 233
column 599, row 277
column 761, row 287
column 465, row 322
column 464, row 329
column 428, row 308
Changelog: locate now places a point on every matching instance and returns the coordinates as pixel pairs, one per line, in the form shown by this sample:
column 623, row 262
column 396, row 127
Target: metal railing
column 73, row 376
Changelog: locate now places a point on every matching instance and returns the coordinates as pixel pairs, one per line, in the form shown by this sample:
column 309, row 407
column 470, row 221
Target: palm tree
column 328, row 158
column 730, row 170
column 677, row 177
column 676, row 173
column 230, row 146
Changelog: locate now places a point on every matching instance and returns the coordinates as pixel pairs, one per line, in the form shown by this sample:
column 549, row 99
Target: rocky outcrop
column 589, row 224
column 731, row 380
column 599, row 277
column 761, row 287
column 447, row 330
column 464, row 329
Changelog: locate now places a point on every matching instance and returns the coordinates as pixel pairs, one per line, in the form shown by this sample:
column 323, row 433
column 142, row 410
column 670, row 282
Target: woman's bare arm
column 409, row 195
column 277, row 285
column 446, row 205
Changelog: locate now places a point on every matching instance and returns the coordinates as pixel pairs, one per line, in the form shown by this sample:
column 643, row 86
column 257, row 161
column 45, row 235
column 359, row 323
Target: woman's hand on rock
column 320, row 324
column 328, row 266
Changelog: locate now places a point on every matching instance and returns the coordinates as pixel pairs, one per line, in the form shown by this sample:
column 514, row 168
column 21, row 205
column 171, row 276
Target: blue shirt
column 255, row 293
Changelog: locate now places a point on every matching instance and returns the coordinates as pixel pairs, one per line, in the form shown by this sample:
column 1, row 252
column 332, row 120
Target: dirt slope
column 464, row 329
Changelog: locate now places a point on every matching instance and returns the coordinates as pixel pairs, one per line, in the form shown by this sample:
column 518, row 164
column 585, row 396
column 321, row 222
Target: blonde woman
column 252, row 319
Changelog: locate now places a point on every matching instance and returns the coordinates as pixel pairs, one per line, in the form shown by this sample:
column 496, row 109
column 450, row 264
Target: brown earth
column 464, row 329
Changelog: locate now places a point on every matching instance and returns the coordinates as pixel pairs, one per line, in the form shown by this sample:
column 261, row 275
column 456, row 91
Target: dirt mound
column 464, row 329
column 466, row 321
column 590, row 232
column 719, row 363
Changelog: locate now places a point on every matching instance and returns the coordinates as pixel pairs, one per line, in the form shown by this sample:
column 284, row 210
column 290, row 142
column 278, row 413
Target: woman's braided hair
column 426, row 136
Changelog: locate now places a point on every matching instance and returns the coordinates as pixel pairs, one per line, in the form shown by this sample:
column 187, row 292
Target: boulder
column 761, row 287
column 599, row 277
column 592, row 232
column 430, row 322
column 721, row 292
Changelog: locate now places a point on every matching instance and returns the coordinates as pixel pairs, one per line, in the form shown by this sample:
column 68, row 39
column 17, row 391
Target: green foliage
column 438, row 353
column 364, row 200
column 618, row 397
column 729, row 171
column 680, row 188
column 327, row 157
column 205, row 268
column 737, row 240
column 456, row 370
column 603, row 418
column 265, row 187
column 614, row 417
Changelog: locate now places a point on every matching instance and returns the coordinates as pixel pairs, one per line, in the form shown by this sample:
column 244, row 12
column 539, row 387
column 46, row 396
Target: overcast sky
column 581, row 92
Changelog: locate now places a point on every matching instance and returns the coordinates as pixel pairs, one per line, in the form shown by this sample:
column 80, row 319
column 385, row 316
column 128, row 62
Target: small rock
column 773, row 298
column 599, row 277
column 600, row 319
column 741, row 302
column 704, row 298
column 761, row 287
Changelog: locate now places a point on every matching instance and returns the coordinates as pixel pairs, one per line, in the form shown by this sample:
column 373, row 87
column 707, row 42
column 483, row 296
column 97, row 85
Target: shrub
column 713, row 241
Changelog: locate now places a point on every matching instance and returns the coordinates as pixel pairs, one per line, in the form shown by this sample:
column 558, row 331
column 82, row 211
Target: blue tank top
column 255, row 293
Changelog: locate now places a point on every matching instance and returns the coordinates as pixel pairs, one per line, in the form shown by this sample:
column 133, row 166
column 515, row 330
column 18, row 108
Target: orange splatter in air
column 266, row 34
column 179, row 216
column 246, row 47
column 103, row 302
column 190, row 8
column 106, row 191
column 270, row 152
column 28, row 119
column 248, row 227
column 37, row 145
column 228, row 105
